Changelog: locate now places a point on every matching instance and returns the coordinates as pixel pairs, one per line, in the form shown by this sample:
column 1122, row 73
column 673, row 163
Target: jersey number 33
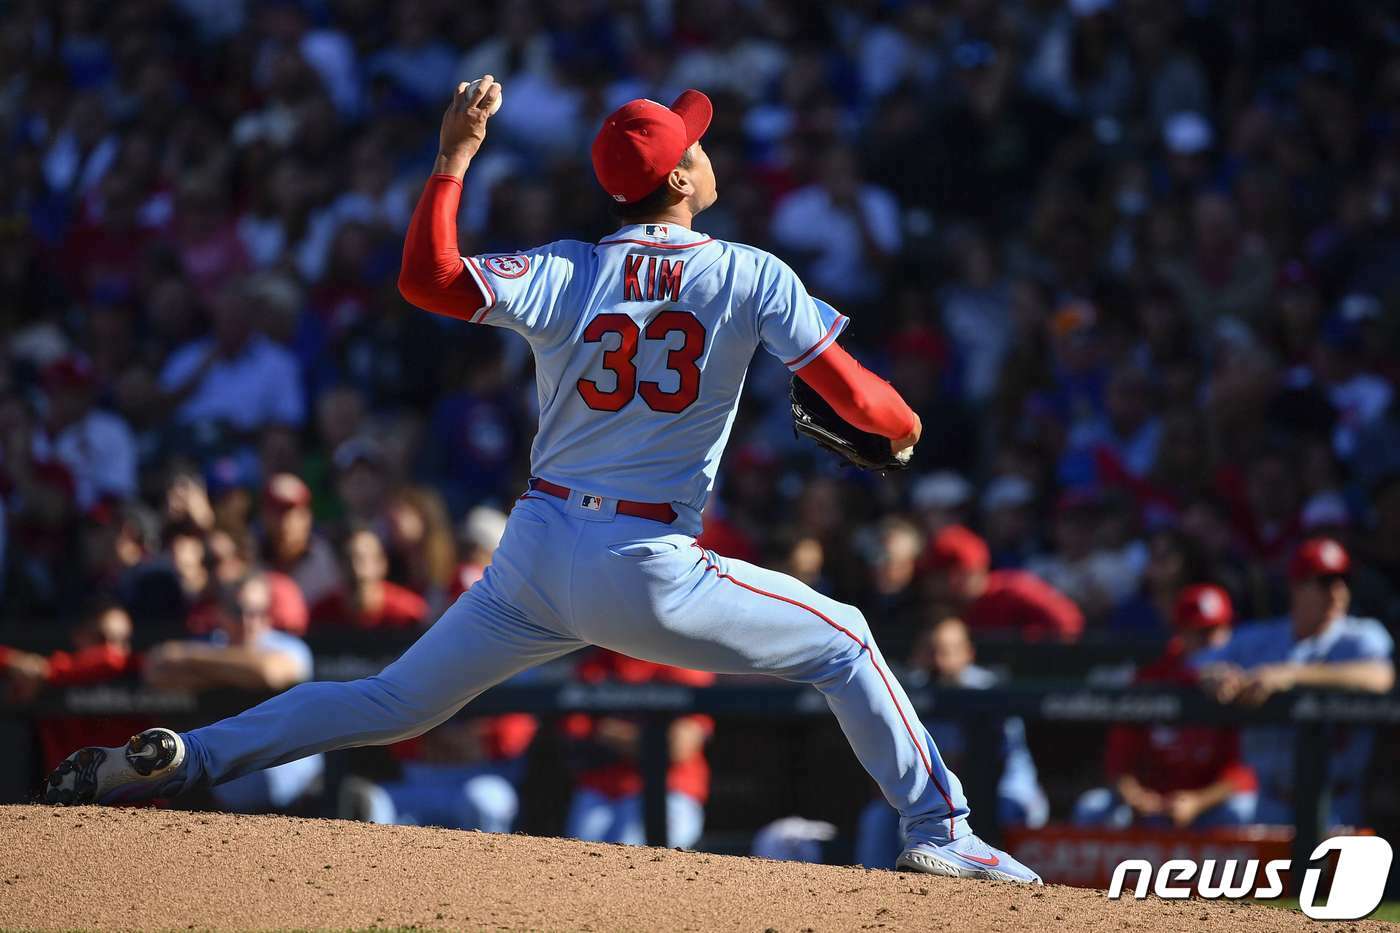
column 621, row 361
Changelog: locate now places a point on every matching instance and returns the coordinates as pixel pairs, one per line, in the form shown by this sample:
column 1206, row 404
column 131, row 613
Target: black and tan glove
column 812, row 417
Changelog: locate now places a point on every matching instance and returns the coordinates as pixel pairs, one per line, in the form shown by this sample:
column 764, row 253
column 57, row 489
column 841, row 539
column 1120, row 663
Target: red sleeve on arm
column 858, row 395
column 1058, row 615
column 91, row 665
column 434, row 276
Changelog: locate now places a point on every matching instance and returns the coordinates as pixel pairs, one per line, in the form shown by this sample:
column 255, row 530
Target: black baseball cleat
column 147, row 766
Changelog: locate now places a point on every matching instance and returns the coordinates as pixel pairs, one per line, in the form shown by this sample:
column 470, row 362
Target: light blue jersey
column 641, row 345
column 1269, row 749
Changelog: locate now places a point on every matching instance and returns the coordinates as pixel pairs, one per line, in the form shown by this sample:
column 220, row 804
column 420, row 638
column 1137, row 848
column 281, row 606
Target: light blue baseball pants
column 566, row 576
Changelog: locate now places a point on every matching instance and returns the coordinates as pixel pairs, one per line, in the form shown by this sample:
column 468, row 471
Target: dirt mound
column 90, row 867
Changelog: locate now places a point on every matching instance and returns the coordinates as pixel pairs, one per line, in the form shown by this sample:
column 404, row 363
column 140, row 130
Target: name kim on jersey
column 645, row 278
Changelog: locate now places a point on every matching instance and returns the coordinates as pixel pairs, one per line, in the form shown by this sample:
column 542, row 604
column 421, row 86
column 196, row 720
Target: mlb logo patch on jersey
column 592, row 503
column 657, row 231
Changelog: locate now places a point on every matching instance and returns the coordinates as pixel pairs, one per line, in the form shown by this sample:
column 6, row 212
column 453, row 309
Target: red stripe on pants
column 923, row 755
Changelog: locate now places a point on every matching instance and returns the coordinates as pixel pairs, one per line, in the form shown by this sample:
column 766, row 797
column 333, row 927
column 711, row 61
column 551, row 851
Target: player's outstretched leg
column 477, row 643
column 681, row 605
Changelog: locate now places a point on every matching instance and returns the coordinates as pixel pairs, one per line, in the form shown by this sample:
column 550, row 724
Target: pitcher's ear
column 680, row 182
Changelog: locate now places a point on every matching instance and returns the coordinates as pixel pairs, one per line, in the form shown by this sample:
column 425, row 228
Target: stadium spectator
column 1121, row 257
column 362, row 480
column 100, row 652
column 604, row 750
column 1317, row 645
column 1084, row 565
column 976, row 315
column 291, row 544
column 116, row 538
column 370, row 600
column 840, row 230
column 1188, row 776
column 96, row 446
column 1009, row 520
column 466, row 772
column 177, row 585
column 237, row 376
column 418, row 537
column 482, row 530
column 462, row 775
column 233, row 556
column 943, row 655
column 1173, row 561
column 245, row 653
column 996, row 601
column 941, row 499
column 892, row 551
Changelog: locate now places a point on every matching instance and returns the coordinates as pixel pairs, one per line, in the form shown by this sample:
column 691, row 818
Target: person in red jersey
column 291, row 543
column 1177, row 775
column 607, row 804
column 372, row 601
column 101, row 653
column 1013, row 602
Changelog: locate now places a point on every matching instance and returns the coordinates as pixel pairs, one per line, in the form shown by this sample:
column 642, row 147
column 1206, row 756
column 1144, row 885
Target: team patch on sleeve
column 508, row 267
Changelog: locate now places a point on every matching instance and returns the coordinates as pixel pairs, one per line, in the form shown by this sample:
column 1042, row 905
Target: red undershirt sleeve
column 858, row 395
column 434, row 275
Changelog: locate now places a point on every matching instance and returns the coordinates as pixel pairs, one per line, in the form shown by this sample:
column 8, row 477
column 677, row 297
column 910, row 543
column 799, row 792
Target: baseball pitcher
column 641, row 344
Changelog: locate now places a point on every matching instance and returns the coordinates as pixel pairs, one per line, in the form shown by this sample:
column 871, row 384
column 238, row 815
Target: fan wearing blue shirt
column 1318, row 645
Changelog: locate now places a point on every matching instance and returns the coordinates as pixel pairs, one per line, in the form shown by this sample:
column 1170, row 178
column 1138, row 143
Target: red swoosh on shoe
column 989, row 862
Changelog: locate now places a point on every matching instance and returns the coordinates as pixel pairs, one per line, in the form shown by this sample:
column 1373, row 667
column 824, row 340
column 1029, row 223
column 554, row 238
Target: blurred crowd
column 1136, row 262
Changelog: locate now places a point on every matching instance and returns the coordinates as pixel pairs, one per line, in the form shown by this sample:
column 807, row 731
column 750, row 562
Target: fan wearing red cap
column 958, row 574
column 1318, row 589
column 1201, row 619
column 1306, row 648
column 1191, row 775
column 1320, row 645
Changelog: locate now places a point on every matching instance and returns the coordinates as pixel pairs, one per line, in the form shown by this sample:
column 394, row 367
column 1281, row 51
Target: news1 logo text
column 1358, row 879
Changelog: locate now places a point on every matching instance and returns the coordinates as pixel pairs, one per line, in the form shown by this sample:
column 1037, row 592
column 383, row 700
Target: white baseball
column 500, row 95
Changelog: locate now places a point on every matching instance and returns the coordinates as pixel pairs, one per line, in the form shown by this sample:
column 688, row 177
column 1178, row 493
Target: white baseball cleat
column 966, row 857
column 147, row 766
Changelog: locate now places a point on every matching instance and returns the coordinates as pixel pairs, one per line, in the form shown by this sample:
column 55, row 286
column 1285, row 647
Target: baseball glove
column 812, row 417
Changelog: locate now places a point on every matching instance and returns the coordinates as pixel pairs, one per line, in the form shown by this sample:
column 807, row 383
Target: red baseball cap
column 286, row 491
column 1318, row 557
column 957, row 547
column 1202, row 606
column 641, row 141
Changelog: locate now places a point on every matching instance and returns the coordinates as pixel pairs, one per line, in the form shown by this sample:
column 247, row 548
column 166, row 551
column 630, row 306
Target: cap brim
column 696, row 111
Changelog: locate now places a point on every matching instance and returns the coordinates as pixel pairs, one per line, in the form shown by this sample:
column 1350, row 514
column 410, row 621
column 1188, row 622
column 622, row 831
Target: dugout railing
column 1310, row 713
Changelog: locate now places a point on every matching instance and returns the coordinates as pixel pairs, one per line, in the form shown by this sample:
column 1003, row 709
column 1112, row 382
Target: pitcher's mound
column 97, row 868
